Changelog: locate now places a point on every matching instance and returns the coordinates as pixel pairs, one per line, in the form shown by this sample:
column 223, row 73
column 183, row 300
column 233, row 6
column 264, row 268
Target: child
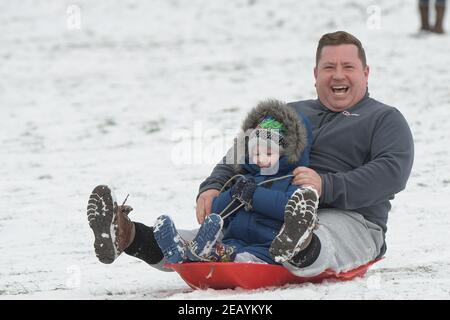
column 248, row 218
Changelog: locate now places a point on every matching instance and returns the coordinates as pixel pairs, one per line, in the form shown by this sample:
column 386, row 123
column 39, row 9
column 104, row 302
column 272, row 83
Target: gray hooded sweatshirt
column 364, row 156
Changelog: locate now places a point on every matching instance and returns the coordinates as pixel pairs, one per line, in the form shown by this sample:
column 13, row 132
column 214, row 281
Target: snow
column 117, row 101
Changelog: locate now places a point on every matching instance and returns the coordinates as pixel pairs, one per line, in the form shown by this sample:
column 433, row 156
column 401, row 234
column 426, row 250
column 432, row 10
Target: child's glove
column 243, row 191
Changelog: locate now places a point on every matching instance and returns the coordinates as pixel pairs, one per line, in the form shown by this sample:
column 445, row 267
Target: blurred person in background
column 424, row 9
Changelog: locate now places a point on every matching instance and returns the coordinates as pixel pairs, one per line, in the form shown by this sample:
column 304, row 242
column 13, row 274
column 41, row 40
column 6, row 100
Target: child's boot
column 205, row 246
column 169, row 240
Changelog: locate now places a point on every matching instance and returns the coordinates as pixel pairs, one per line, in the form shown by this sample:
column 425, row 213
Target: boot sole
column 169, row 240
column 300, row 219
column 209, row 230
column 101, row 213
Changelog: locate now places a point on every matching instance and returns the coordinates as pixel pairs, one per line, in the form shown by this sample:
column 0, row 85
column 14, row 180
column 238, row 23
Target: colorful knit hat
column 269, row 132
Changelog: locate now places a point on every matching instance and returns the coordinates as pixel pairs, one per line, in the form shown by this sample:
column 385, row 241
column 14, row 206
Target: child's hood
column 295, row 131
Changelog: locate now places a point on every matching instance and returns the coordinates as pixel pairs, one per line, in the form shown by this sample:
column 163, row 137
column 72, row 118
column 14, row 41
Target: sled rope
column 196, row 255
column 222, row 213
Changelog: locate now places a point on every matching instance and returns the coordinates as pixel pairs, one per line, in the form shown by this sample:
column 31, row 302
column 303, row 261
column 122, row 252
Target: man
column 361, row 155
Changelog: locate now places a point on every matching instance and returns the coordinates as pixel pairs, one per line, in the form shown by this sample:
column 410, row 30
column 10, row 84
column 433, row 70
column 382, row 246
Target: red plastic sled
column 230, row 275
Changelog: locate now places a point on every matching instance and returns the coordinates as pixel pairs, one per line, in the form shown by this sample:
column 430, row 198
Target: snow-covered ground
column 113, row 102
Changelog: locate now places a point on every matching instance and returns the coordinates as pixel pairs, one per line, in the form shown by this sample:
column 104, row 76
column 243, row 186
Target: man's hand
column 204, row 204
column 305, row 177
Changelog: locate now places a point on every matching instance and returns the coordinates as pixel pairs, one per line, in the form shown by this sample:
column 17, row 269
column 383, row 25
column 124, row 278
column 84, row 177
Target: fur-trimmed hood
column 295, row 131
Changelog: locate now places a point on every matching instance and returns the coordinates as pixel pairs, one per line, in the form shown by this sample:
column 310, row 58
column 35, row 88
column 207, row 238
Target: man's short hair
column 338, row 38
